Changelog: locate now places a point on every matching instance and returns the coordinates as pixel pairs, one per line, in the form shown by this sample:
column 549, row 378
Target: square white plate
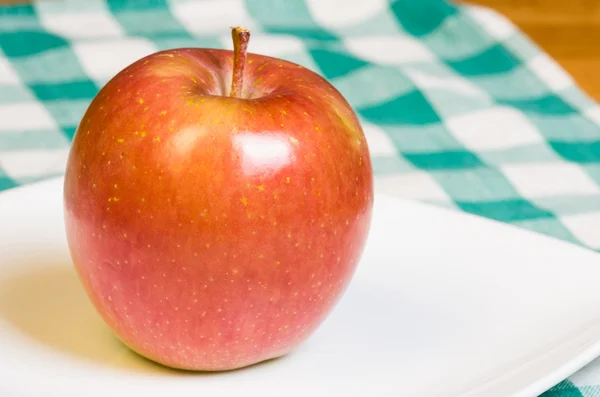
column 443, row 304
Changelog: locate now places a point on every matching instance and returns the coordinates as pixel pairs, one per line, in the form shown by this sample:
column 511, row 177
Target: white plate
column 443, row 304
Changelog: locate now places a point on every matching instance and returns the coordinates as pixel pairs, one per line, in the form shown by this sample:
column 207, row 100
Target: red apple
column 216, row 227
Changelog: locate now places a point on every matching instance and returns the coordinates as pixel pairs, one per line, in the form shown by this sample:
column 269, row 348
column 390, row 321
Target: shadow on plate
column 50, row 306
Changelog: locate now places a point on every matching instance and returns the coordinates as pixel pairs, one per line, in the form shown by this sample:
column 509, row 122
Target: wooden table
column 568, row 30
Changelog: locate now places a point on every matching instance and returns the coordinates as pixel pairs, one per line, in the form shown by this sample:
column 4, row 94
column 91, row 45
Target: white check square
column 494, row 128
column 498, row 26
column 550, row 72
column 102, row 59
column 585, row 227
column 15, row 117
column 379, row 142
column 7, row 73
column 414, row 185
column 593, row 114
column 389, row 50
column 451, row 83
column 211, row 16
column 34, row 163
column 81, row 25
column 549, row 179
column 328, row 13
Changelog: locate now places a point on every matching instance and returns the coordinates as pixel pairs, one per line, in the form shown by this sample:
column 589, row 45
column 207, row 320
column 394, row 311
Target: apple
column 217, row 204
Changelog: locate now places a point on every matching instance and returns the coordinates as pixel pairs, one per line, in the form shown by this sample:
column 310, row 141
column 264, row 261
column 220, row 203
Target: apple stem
column 240, row 44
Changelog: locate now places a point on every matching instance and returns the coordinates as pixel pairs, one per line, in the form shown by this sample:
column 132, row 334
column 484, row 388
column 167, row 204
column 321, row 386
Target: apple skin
column 213, row 232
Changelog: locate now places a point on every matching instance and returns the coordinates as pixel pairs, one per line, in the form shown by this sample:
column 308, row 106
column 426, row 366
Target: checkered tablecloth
column 459, row 108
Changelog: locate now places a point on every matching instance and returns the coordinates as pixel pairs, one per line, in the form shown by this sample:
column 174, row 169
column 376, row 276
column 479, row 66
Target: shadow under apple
column 50, row 306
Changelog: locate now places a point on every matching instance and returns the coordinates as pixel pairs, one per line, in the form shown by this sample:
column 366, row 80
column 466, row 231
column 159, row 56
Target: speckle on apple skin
column 236, row 249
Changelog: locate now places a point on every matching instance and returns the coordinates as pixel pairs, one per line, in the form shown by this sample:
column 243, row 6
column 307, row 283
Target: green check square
column 15, row 94
column 446, row 160
column 287, row 17
column 281, row 14
column 18, row 17
column 522, row 154
column 548, row 104
column 410, row 108
column 8, row 24
column 448, row 103
column 150, row 23
column 32, row 140
column 521, row 47
column 303, row 58
column 68, row 7
column 385, row 165
column 516, row 84
column 553, row 228
column 137, row 6
column 52, row 66
column 16, row 11
column 78, row 89
column 477, row 184
column 67, row 112
column 578, row 152
column 371, row 86
column 422, row 17
column 570, row 204
column 506, row 210
column 563, row 389
column 593, row 170
column 457, row 38
column 576, row 98
column 422, row 138
column 566, row 127
column 335, row 64
column 6, row 182
column 27, row 43
column 495, row 59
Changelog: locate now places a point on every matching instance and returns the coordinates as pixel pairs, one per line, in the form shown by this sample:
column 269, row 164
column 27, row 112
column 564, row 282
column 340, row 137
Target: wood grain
column 569, row 31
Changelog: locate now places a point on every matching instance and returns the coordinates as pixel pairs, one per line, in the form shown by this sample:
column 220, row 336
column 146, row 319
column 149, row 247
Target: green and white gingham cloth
column 459, row 108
